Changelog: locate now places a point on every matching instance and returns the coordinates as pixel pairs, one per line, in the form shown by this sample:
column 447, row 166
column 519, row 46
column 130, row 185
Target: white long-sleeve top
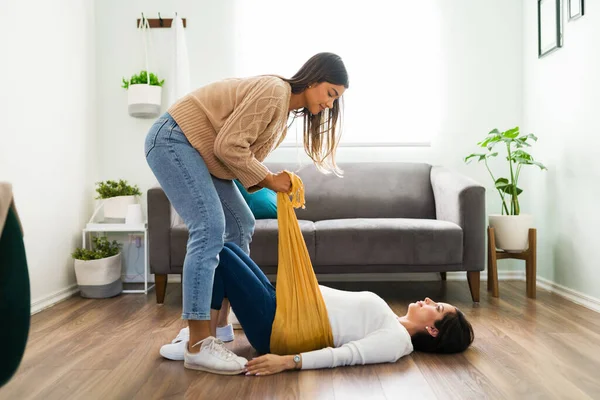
column 365, row 331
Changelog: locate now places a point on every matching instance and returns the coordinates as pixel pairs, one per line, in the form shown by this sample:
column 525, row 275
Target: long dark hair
column 455, row 334
column 321, row 130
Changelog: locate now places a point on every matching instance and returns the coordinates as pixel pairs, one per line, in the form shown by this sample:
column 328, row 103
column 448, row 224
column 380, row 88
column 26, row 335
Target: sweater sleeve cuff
column 318, row 359
column 254, row 174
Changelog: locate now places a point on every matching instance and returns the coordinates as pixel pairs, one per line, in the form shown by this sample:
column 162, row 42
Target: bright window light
column 391, row 49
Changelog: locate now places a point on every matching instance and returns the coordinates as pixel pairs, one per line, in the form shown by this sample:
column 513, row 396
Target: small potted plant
column 511, row 227
column 144, row 94
column 98, row 271
column 117, row 196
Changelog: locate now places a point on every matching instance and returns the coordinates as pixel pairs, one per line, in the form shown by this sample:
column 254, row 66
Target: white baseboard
column 53, row 298
column 394, row 276
column 409, row 276
column 570, row 294
column 573, row 295
column 502, row 276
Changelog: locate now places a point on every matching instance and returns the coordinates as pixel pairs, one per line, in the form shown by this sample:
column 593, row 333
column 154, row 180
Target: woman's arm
column 384, row 345
column 263, row 104
column 270, row 364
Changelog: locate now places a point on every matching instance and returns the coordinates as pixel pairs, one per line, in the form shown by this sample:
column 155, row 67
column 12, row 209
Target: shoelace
column 217, row 347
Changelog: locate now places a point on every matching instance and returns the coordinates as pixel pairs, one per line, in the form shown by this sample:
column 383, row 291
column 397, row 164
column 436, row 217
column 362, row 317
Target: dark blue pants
column 251, row 295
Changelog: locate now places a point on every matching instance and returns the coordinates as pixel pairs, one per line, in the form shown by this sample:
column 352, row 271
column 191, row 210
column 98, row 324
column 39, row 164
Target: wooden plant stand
column 529, row 255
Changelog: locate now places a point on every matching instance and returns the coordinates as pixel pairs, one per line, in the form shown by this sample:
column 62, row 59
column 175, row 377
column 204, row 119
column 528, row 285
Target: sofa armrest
column 461, row 200
column 159, row 231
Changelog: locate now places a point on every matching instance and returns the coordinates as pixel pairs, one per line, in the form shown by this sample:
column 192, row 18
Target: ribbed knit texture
column 235, row 123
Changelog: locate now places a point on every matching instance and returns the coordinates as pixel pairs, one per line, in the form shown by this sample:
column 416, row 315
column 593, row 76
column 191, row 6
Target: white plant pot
column 116, row 207
column 144, row 100
column 511, row 231
column 99, row 278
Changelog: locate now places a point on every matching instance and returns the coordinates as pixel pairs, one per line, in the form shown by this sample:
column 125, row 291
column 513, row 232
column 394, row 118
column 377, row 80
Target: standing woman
column 224, row 131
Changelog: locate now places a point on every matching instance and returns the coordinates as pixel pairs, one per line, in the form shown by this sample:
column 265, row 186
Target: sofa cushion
column 394, row 241
column 263, row 248
column 367, row 190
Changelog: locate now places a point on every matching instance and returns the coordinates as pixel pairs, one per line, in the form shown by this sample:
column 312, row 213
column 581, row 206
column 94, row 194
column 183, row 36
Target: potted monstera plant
column 144, row 93
column 511, row 226
column 117, row 196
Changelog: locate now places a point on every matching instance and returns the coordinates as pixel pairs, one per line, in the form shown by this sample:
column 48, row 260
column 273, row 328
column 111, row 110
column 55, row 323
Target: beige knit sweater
column 7, row 202
column 235, row 123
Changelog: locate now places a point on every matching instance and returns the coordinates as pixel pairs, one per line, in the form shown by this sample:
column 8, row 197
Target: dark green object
column 15, row 298
column 262, row 203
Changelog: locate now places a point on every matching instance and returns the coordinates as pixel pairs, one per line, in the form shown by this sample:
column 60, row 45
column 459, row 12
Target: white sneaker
column 176, row 349
column 214, row 357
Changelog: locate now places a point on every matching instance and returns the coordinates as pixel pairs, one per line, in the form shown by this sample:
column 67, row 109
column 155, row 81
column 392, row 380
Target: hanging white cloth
column 179, row 81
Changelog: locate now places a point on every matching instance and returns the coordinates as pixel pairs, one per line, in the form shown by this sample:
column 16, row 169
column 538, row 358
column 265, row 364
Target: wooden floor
column 108, row 349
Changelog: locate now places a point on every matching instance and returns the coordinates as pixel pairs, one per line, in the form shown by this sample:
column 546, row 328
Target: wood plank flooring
column 547, row 348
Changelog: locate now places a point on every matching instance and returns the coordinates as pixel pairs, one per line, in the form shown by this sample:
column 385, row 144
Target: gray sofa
column 378, row 218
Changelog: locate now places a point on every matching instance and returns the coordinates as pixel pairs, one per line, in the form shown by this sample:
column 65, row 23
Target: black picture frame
column 550, row 33
column 576, row 12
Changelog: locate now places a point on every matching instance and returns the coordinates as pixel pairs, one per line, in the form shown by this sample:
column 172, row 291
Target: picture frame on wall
column 576, row 9
column 550, row 35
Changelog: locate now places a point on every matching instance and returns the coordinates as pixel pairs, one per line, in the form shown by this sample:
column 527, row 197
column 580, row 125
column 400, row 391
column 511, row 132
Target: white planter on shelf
column 116, row 207
column 144, row 100
column 511, row 231
column 101, row 278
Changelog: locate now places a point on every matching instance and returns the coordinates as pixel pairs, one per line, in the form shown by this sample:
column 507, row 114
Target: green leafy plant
column 516, row 157
column 142, row 79
column 108, row 189
column 101, row 248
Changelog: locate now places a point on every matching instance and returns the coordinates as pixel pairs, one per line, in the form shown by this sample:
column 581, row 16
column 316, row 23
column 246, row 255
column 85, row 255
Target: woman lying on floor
column 365, row 329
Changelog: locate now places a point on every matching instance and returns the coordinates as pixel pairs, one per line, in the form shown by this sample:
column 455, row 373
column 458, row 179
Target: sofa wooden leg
column 443, row 275
column 161, row 287
column 473, row 278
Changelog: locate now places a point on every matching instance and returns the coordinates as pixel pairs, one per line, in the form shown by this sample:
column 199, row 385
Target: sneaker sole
column 172, row 357
column 212, row 371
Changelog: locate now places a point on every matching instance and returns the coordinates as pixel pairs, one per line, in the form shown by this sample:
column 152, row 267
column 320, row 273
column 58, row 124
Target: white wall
column 561, row 103
column 81, row 133
column 481, row 74
column 66, row 124
column 120, row 54
column 481, row 87
column 48, row 132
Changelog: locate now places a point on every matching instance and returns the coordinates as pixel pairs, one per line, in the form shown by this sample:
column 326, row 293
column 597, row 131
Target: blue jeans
column 213, row 210
column 251, row 295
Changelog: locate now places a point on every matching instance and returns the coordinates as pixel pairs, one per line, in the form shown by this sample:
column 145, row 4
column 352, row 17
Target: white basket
column 99, row 278
column 144, row 100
